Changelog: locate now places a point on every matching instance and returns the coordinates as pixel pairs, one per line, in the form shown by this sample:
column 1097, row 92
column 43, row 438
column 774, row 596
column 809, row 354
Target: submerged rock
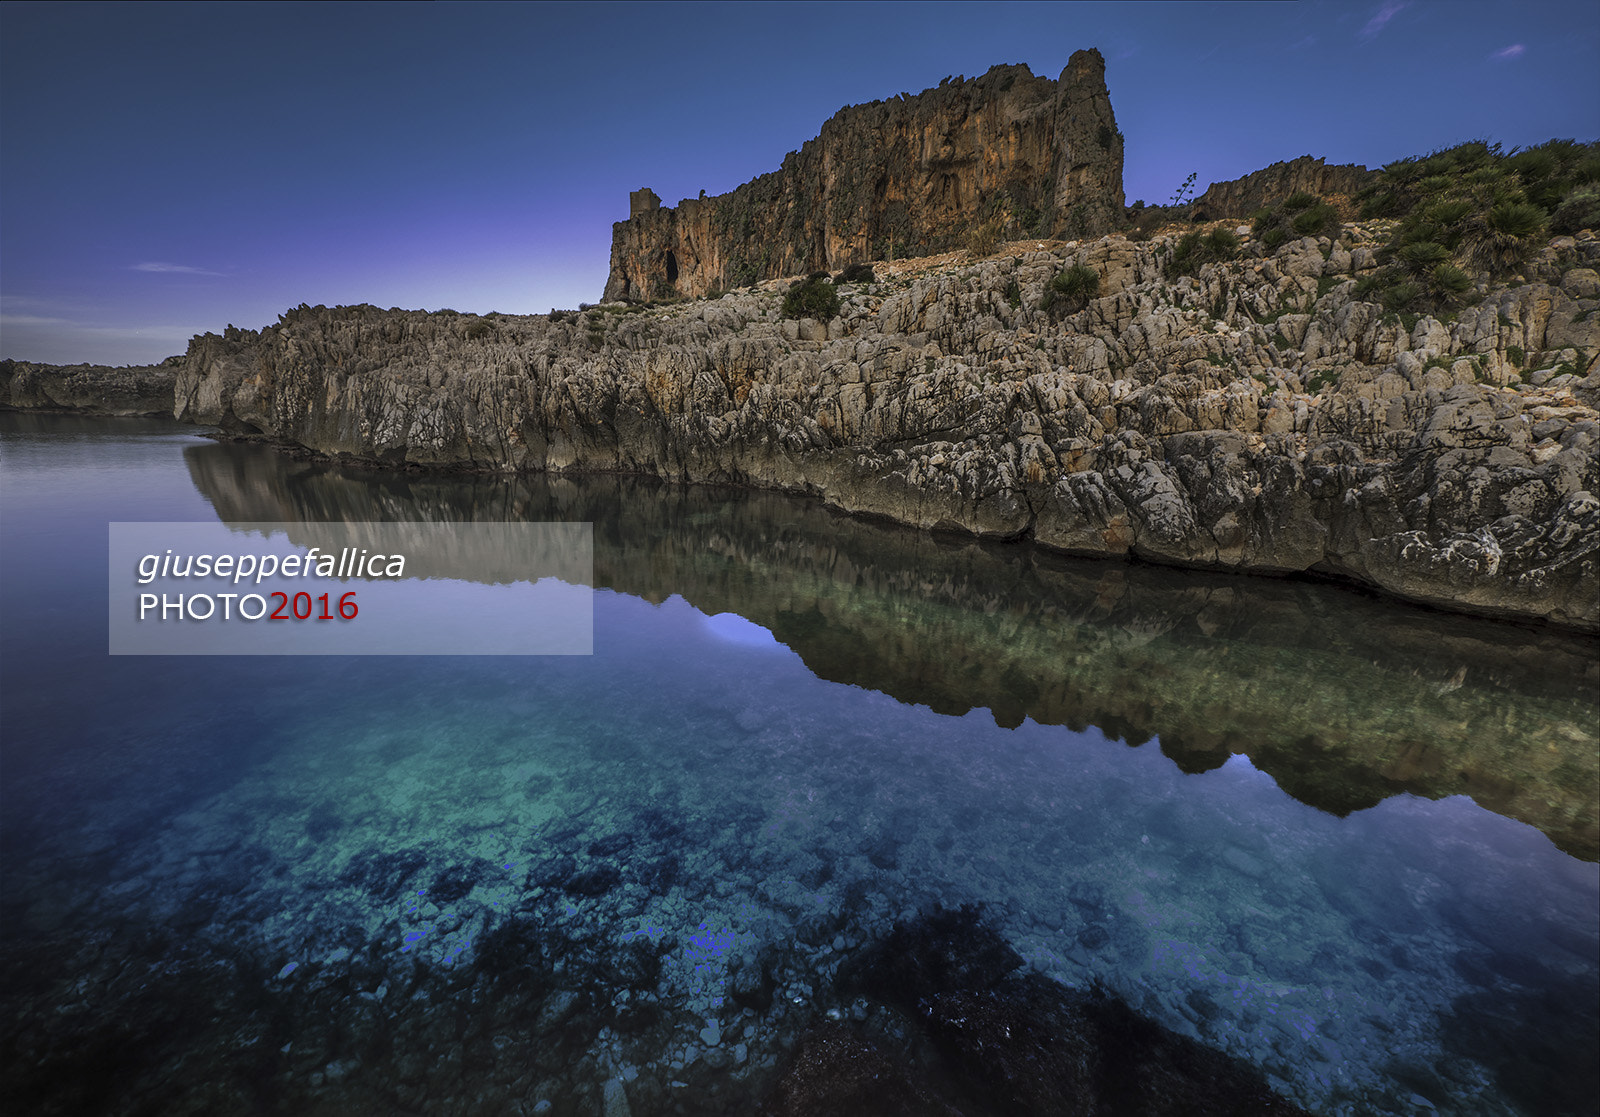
column 1023, row 1044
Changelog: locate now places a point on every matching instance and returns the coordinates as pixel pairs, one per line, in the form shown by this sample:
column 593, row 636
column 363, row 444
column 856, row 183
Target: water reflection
column 1343, row 699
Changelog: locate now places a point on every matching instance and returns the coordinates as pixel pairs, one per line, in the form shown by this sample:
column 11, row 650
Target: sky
column 168, row 170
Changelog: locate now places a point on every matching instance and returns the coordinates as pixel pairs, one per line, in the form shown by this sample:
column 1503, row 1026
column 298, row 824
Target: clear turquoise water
column 480, row 884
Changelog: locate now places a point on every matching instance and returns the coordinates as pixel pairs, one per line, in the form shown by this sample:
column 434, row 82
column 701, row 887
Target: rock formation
column 913, row 175
column 1254, row 417
column 89, row 389
column 1241, row 197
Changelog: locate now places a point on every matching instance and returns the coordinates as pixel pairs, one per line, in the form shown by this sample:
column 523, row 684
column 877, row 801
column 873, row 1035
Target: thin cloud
column 178, row 269
column 1308, row 41
column 1379, row 21
column 1513, row 51
column 32, row 320
column 65, row 341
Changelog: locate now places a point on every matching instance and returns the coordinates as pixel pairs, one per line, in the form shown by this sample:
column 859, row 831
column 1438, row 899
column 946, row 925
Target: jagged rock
column 897, row 178
column 1172, row 419
column 91, row 389
column 1241, row 197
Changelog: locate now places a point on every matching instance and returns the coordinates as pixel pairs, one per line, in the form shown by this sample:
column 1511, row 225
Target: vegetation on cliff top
column 1471, row 214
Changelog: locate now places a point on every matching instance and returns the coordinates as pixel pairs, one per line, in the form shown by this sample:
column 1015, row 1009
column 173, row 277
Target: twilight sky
column 172, row 169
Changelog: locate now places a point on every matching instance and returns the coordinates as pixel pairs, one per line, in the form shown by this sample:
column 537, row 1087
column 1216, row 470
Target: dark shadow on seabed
column 1343, row 699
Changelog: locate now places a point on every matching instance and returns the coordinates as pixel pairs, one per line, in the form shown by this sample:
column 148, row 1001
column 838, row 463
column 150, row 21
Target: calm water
column 1350, row 843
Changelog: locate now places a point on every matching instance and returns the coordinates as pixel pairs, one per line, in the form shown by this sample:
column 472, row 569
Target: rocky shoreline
column 135, row 390
column 1254, row 416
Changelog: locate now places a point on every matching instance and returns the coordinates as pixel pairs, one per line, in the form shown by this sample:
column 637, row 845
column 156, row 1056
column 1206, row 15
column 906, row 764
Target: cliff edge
column 1007, row 153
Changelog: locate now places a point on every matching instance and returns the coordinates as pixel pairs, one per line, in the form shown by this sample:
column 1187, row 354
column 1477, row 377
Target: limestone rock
column 900, row 178
column 90, row 389
column 1241, row 197
column 1161, row 420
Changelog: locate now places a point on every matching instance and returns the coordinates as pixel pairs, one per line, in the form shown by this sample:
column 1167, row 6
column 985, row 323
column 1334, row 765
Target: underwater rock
column 752, row 983
column 455, row 882
column 593, row 882
column 836, row 1071
column 1025, row 1045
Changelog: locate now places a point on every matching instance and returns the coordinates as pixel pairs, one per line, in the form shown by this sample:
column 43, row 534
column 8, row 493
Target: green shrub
column 1422, row 256
column 1320, row 220
column 1401, row 295
column 1580, row 209
column 1515, row 219
column 1196, row 249
column 1299, row 215
column 1497, row 242
column 1448, row 213
column 856, row 273
column 813, row 297
column 1076, row 285
column 1367, row 285
column 1450, row 282
column 1013, row 293
column 1487, row 210
column 1223, row 243
column 1514, row 354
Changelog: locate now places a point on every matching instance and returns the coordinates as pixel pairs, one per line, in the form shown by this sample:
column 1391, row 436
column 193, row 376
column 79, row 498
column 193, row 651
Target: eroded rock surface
column 1253, row 417
column 897, row 178
column 1240, row 197
column 89, row 389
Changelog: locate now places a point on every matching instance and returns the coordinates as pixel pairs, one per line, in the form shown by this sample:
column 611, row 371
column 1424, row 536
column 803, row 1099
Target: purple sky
column 169, row 170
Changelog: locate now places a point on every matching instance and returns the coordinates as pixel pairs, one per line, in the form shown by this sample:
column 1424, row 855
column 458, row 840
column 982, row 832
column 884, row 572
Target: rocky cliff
column 89, row 389
column 1005, row 153
column 1240, row 197
column 1255, row 416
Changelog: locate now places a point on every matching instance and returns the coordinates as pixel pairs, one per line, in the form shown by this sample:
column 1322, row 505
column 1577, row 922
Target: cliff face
column 1241, row 197
column 1254, row 417
column 1010, row 152
column 89, row 389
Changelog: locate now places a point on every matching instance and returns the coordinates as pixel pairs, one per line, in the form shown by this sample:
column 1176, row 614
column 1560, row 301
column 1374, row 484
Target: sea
column 1350, row 844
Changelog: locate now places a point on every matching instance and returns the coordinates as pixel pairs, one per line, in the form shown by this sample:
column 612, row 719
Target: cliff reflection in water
column 1343, row 699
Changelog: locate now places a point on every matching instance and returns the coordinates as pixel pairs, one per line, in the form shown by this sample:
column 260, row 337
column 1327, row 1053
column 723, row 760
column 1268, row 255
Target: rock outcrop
column 1241, row 197
column 1007, row 152
column 1254, row 417
column 89, row 389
